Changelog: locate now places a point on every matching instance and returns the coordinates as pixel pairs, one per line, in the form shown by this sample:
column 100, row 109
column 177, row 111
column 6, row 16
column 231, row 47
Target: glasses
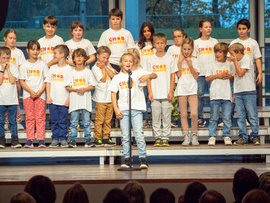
column 178, row 36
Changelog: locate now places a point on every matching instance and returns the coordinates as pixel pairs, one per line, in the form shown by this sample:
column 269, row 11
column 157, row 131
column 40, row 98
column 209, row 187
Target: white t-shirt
column 47, row 45
column 120, row 83
column 84, row 44
column 102, row 93
column 33, row 75
column 220, row 89
column 174, row 51
column 163, row 67
column 8, row 91
column 77, row 80
column 146, row 52
column 247, row 82
column 119, row 41
column 57, row 76
column 204, row 51
column 187, row 85
column 17, row 57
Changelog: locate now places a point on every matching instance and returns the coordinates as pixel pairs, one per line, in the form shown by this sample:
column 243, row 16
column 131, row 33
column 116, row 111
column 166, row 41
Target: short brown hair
column 79, row 52
column 5, row 50
column 221, row 46
column 62, row 48
column 76, row 24
column 237, row 47
column 50, row 20
column 116, row 12
column 103, row 49
column 159, row 36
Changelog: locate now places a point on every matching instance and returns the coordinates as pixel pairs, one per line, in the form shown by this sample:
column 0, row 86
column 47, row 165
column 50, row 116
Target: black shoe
column 143, row 163
column 256, row 140
column 72, row 144
column 108, row 142
column 15, row 142
column 127, row 163
column 2, row 142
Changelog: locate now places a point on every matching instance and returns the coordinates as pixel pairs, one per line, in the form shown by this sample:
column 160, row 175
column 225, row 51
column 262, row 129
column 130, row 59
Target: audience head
column 162, row 195
column 116, row 196
column 22, row 197
column 41, row 188
column 212, row 196
column 193, row 192
column 244, row 180
column 256, row 196
column 264, row 182
column 76, row 193
column 135, row 192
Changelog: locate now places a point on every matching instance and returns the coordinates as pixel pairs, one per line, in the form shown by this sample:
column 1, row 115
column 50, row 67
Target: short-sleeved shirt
column 146, row 52
column 17, row 57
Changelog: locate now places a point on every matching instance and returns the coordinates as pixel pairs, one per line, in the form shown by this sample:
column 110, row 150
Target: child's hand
column 5, row 66
column 67, row 103
column 181, row 58
column 119, row 114
column 170, row 96
column 233, row 58
column 229, row 59
column 80, row 91
column 143, row 78
column 150, row 96
column 49, row 99
column 38, row 93
column 100, row 65
column 189, row 62
column 233, row 99
column 259, row 79
column 33, row 94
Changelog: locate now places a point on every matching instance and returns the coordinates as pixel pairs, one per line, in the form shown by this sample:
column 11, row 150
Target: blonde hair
column 188, row 41
column 221, row 46
column 237, row 47
column 22, row 197
column 5, row 50
column 103, row 49
column 159, row 36
column 135, row 51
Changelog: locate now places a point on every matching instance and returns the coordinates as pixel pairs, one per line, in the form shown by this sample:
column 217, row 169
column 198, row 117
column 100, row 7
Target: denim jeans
column 148, row 103
column 226, row 108
column 137, row 125
column 12, row 112
column 203, row 86
column 74, row 121
column 245, row 104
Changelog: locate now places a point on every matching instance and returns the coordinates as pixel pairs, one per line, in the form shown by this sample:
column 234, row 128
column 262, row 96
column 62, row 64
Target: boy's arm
column 85, row 89
column 144, row 78
column 2, row 75
column 240, row 71
column 150, row 93
column 179, row 65
column 70, row 89
column 103, row 71
column 259, row 67
column 117, row 111
column 50, row 63
column 170, row 95
column 91, row 59
column 70, row 62
column 48, row 91
column 109, row 71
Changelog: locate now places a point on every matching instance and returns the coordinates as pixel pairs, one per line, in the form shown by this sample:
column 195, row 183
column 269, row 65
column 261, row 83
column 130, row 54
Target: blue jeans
column 245, row 104
column 12, row 113
column 203, row 86
column 148, row 103
column 226, row 108
column 74, row 121
column 137, row 124
column 59, row 123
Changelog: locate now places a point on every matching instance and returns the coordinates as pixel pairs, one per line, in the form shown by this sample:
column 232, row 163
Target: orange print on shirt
column 147, row 52
column 57, row 77
column 117, row 40
column 124, row 84
column 6, row 80
column 46, row 50
column 205, row 50
column 159, row 68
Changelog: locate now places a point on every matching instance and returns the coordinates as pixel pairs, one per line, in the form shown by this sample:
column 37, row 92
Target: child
column 17, row 58
column 49, row 41
column 203, row 50
column 186, row 90
column 244, row 95
column 118, row 39
column 121, row 107
column 146, row 49
column 161, row 89
column 8, row 97
column 79, row 84
column 32, row 76
column 77, row 31
column 58, row 96
column 220, row 74
column 178, row 36
column 103, row 73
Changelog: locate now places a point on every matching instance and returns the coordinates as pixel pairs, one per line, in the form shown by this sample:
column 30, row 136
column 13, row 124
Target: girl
column 204, row 51
column 32, row 76
column 145, row 47
column 77, row 31
column 186, row 90
column 17, row 58
column 121, row 107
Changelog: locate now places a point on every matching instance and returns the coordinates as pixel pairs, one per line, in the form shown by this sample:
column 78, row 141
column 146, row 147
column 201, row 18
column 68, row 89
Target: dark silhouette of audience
column 116, row 196
column 135, row 192
column 162, row 195
column 193, row 192
column 76, row 193
column 212, row 196
column 256, row 196
column 264, row 182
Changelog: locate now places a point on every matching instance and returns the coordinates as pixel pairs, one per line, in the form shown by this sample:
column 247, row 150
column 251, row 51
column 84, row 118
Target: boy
column 79, row 84
column 103, row 74
column 49, row 41
column 8, row 97
column 118, row 39
column 220, row 74
column 244, row 95
column 58, row 96
column 161, row 89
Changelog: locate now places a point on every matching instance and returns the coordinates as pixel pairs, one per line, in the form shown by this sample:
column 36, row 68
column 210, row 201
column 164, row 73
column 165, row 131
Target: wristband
column 1, row 71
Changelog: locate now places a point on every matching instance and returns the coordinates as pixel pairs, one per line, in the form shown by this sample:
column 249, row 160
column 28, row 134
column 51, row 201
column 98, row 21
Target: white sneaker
column 92, row 124
column 248, row 124
column 6, row 126
column 221, row 124
column 227, row 141
column 19, row 126
column 212, row 141
column 186, row 141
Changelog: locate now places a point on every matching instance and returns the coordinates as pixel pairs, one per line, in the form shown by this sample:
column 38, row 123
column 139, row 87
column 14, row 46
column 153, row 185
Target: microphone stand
column 130, row 149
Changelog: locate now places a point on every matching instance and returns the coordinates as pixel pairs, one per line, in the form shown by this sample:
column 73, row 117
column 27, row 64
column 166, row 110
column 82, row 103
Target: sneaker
column 145, row 124
column 227, row 141
column 240, row 141
column 165, row 143
column 19, row 126
column 72, row 144
column 63, row 143
column 248, row 124
column 2, row 142
column 186, row 141
column 211, row 141
column 6, row 126
column 157, row 142
column 41, row 144
column 98, row 142
column 15, row 143
column 88, row 143
column 256, row 140
column 108, row 142
column 126, row 163
column 174, row 125
column 201, row 122
column 194, row 139
column 29, row 144
column 220, row 124
column 92, row 125
column 54, row 144
column 143, row 163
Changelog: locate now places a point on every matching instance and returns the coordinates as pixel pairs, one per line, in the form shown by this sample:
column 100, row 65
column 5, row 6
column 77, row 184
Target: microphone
column 129, row 72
